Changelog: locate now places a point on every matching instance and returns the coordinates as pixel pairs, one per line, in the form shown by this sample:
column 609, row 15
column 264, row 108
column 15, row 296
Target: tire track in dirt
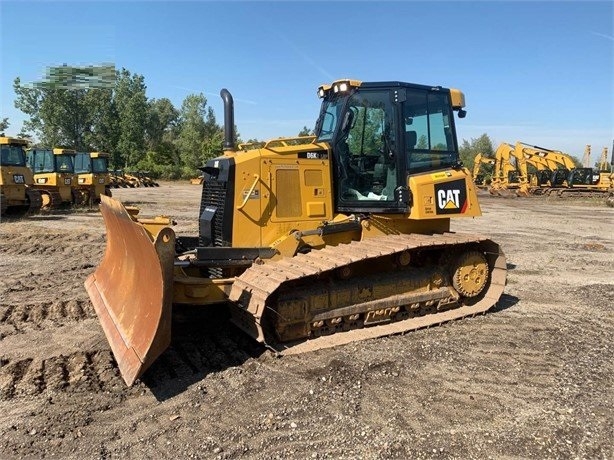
column 50, row 243
column 91, row 371
column 20, row 318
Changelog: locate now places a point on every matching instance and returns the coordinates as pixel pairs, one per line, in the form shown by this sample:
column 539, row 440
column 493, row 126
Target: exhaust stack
column 229, row 120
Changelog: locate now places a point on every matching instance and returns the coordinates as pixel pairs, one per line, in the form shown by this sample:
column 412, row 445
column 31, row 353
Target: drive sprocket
column 470, row 273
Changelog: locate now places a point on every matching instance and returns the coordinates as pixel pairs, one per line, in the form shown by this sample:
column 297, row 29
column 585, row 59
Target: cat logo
column 451, row 197
column 448, row 199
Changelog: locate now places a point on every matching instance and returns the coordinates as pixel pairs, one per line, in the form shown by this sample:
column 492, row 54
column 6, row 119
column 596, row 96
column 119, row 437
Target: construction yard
column 532, row 378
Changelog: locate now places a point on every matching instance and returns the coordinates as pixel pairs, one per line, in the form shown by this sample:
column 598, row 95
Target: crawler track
column 262, row 289
column 35, row 200
column 570, row 192
column 50, row 198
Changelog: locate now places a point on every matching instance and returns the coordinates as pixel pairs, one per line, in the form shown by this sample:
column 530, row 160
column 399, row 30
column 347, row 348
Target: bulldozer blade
column 132, row 290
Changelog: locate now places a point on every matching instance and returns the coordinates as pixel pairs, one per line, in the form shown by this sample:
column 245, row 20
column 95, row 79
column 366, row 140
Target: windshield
column 64, row 163
column 328, row 119
column 12, row 156
column 99, row 165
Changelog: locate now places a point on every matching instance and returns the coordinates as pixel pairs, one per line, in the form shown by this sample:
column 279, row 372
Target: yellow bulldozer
column 310, row 245
column 93, row 176
column 16, row 179
column 54, row 175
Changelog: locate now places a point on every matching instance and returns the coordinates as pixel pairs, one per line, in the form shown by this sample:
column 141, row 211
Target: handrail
column 256, row 180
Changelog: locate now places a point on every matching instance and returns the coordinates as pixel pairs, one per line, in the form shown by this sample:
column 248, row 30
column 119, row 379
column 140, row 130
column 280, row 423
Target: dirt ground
column 533, row 378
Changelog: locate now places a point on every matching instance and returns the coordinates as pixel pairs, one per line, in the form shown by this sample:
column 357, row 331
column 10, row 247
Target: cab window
column 429, row 140
column 99, row 165
column 64, row 163
column 365, row 148
column 12, row 156
column 82, row 163
column 41, row 161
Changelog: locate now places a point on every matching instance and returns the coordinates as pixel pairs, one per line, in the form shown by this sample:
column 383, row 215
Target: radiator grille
column 214, row 194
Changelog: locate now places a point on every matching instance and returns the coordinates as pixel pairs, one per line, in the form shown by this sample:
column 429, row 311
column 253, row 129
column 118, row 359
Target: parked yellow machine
column 141, row 179
column 568, row 180
column 540, row 166
column 480, row 162
column 118, row 180
column 93, row 176
column 508, row 177
column 16, row 179
column 54, row 175
column 525, row 170
column 310, row 245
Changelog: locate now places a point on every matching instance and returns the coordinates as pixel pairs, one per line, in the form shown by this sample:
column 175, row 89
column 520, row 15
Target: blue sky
column 539, row 72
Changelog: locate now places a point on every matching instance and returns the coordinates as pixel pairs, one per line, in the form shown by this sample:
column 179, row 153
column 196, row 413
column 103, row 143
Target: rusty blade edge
column 130, row 366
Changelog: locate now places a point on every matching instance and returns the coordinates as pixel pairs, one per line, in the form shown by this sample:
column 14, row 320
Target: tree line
column 101, row 109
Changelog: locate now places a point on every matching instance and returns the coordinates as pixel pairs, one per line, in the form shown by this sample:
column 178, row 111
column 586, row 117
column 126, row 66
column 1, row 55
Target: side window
column 82, row 163
column 367, row 149
column 429, row 138
column 99, row 165
column 440, row 130
column 41, row 161
column 37, row 161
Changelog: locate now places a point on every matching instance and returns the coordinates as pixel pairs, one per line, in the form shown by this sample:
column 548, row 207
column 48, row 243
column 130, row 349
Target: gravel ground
column 533, row 378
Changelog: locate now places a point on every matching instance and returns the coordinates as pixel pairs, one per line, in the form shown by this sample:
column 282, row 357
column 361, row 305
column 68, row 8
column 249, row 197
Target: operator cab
column 94, row 162
column 51, row 161
column 12, row 152
column 380, row 134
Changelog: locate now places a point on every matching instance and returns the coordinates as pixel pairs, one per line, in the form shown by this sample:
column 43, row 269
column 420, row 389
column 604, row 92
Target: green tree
column 469, row 149
column 160, row 133
column 162, row 118
column 4, row 124
column 131, row 106
column 422, row 143
column 306, row 132
column 189, row 141
column 103, row 134
column 366, row 135
column 58, row 106
column 31, row 100
column 213, row 139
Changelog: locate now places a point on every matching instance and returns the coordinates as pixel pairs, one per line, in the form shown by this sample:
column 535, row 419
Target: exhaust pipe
column 229, row 120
